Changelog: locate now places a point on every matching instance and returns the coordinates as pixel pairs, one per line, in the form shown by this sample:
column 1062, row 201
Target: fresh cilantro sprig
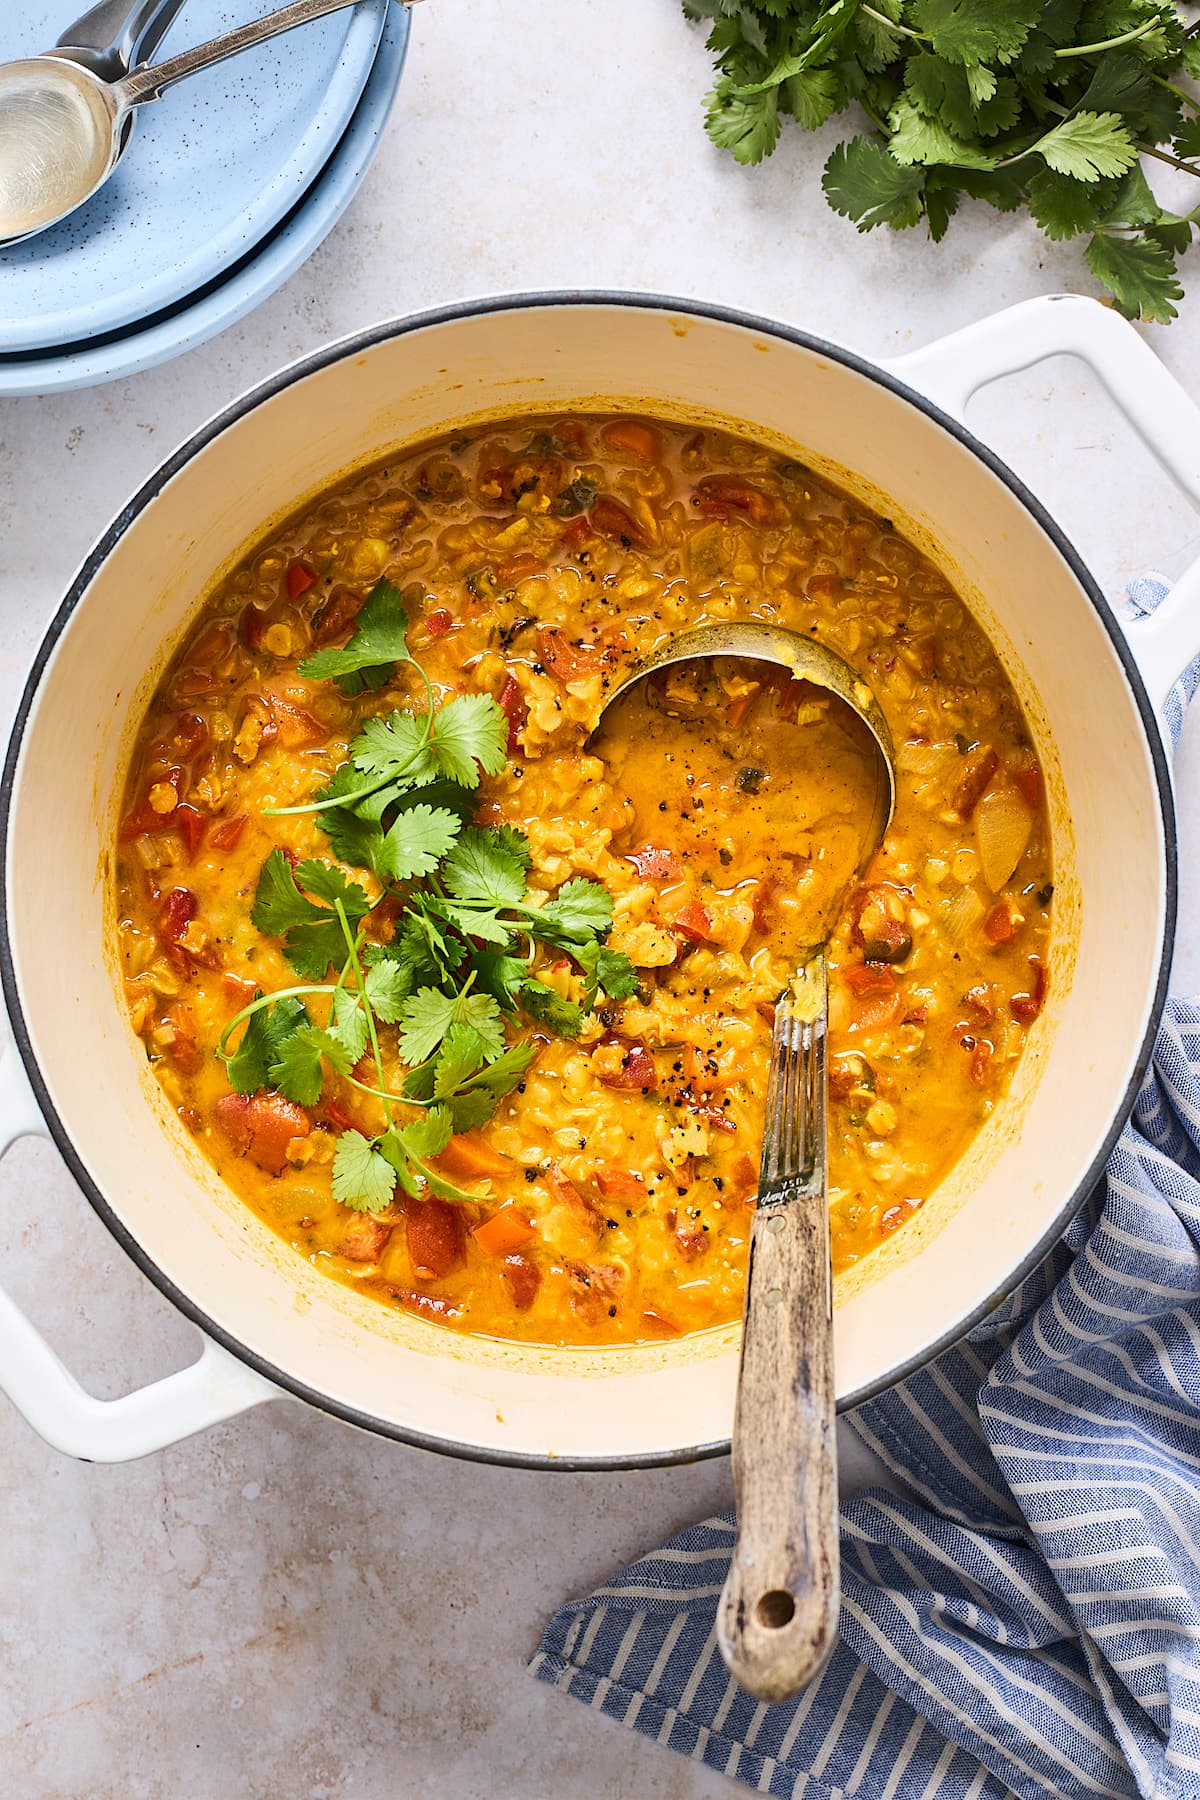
column 459, row 965
column 1047, row 104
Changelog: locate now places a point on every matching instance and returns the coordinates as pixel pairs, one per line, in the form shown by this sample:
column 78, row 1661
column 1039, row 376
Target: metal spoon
column 779, row 1609
column 111, row 37
column 61, row 125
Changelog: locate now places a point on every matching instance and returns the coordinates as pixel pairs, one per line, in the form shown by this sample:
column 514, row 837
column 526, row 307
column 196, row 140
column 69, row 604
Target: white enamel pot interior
column 288, row 1327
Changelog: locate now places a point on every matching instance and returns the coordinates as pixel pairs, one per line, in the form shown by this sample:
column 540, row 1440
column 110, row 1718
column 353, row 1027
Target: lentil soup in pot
column 474, row 1007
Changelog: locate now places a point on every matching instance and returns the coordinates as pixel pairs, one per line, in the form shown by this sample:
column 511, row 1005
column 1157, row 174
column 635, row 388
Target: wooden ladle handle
column 779, row 1610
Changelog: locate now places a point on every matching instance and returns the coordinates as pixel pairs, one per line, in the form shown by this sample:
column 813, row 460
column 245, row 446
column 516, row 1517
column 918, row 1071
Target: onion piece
column 1003, row 826
column 962, row 913
column 917, row 758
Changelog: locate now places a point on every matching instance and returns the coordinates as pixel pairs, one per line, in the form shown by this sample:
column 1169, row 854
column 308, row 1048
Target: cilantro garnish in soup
column 474, row 1007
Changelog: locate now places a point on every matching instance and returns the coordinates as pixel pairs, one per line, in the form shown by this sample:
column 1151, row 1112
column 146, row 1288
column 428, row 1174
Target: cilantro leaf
column 549, row 1008
column 396, row 749
column 388, row 985
column 607, row 971
column 348, row 1024
column 461, row 1055
column 311, row 935
column 427, row 1016
column 379, row 641
column 863, row 183
column 298, row 1071
column 1088, row 146
column 501, row 1077
column 471, row 1107
column 580, row 910
column 470, row 733
column 362, row 1178
column 264, row 1034
column 917, row 139
column 429, row 1135
column 747, row 125
column 501, row 976
column 963, row 31
column 813, row 95
column 416, row 842
column 488, row 866
column 1139, row 273
column 329, row 884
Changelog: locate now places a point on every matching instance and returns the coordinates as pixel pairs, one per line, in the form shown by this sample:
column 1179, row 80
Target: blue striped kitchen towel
column 1026, row 1621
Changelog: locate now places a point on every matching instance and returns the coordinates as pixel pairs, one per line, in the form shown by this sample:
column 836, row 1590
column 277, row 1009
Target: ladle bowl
column 779, row 1610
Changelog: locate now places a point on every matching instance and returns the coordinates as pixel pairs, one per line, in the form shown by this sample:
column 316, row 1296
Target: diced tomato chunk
column 518, row 568
column 251, row 626
column 178, row 913
column 619, row 1184
column 719, row 495
column 694, row 921
column 522, row 1279
column 712, row 1114
column 299, row 579
column 436, row 1238
column 870, row 978
column 576, row 534
column 438, row 622
column 296, row 725
column 978, row 769
column 188, row 735
column 1029, row 785
column 875, row 1012
column 894, row 1216
column 564, row 660
column 636, row 1071
column 191, row 825
column 744, row 1177
column 334, row 617
column 654, row 863
column 225, row 833
column 612, row 520
column 363, row 1238
column 262, row 1126
column 515, row 709
column 981, row 1062
column 567, row 1194
column 1026, row 1007
column 1002, row 923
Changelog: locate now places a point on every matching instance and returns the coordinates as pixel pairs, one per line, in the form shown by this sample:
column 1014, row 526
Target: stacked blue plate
column 231, row 180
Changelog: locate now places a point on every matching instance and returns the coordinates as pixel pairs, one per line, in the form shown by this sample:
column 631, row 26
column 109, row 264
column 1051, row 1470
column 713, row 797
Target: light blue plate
column 213, row 167
column 226, row 301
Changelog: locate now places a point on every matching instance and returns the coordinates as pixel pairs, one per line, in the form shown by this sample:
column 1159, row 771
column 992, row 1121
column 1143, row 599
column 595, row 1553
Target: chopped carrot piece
column 469, row 1156
column 504, row 1231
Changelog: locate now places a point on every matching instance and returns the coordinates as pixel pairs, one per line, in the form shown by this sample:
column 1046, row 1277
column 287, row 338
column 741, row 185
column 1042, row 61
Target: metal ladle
column 779, row 1609
column 63, row 125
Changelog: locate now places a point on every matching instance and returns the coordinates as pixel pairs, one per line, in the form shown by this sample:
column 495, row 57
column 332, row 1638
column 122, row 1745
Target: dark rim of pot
column 445, row 315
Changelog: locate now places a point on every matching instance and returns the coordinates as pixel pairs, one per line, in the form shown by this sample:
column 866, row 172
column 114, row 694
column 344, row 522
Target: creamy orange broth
column 721, row 808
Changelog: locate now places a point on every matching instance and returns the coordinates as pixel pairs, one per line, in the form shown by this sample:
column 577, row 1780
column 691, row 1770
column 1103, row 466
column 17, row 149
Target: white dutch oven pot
column 275, row 1325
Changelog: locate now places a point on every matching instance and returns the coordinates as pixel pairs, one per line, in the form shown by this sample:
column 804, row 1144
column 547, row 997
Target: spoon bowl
column 58, row 141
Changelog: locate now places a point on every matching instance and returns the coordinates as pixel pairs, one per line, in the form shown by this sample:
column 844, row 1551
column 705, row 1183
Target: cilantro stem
column 1113, row 43
column 292, row 993
column 1164, row 156
column 903, row 30
column 352, row 947
column 1180, row 93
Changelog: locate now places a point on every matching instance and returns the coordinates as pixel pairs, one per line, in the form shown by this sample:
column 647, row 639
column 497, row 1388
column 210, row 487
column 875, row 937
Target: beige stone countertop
column 284, row 1607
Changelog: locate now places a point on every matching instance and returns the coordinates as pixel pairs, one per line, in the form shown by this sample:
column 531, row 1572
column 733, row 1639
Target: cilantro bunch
column 460, row 961
column 1047, row 104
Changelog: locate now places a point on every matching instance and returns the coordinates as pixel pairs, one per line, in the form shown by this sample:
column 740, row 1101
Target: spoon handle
column 148, row 84
column 779, row 1609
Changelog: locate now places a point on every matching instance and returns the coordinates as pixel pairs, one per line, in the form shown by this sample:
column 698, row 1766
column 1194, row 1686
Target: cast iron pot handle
column 215, row 1387
column 950, row 370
